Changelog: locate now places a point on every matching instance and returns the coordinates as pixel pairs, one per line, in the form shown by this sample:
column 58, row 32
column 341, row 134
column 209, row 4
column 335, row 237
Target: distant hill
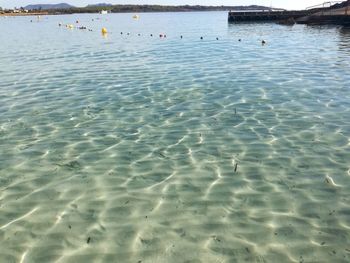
column 99, row 4
column 48, row 6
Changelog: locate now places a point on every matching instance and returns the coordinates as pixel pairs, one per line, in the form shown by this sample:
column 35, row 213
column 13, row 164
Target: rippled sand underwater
column 140, row 149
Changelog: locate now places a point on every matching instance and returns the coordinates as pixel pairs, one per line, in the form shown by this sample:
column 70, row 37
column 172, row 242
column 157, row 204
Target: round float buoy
column 104, row 30
column 160, row 35
column 201, row 37
column 263, row 42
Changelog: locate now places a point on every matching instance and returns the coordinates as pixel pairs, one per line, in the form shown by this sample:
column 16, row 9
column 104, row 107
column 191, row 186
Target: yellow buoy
column 104, row 30
column 135, row 17
column 70, row 26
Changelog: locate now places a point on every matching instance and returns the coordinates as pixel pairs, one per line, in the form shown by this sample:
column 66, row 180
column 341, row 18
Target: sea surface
column 139, row 148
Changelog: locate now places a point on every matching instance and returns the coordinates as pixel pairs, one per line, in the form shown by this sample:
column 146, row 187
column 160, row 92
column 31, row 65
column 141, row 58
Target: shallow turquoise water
column 129, row 148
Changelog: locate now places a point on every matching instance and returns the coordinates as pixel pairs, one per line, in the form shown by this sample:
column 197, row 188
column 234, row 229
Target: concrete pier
column 268, row 15
column 339, row 16
column 336, row 14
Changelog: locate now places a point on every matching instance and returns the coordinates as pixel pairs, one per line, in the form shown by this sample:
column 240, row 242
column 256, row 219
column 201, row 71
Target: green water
column 136, row 148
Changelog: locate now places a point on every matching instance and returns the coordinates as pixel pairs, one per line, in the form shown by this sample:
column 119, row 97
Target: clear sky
column 288, row 4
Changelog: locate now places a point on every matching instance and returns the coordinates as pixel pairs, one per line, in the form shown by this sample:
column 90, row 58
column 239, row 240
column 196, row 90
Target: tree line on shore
column 150, row 8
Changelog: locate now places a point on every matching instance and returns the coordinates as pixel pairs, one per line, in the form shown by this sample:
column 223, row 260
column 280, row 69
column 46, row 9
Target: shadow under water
column 344, row 39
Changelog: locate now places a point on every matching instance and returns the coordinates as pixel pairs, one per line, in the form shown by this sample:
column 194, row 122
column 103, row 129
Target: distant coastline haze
column 287, row 4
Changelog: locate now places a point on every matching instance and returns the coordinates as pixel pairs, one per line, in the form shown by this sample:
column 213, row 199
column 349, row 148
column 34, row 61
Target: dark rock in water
column 215, row 238
column 71, row 165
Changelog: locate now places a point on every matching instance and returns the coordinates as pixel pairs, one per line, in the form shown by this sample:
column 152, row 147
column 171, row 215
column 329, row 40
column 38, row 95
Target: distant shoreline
column 133, row 9
column 123, row 12
column 26, row 14
column 120, row 12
